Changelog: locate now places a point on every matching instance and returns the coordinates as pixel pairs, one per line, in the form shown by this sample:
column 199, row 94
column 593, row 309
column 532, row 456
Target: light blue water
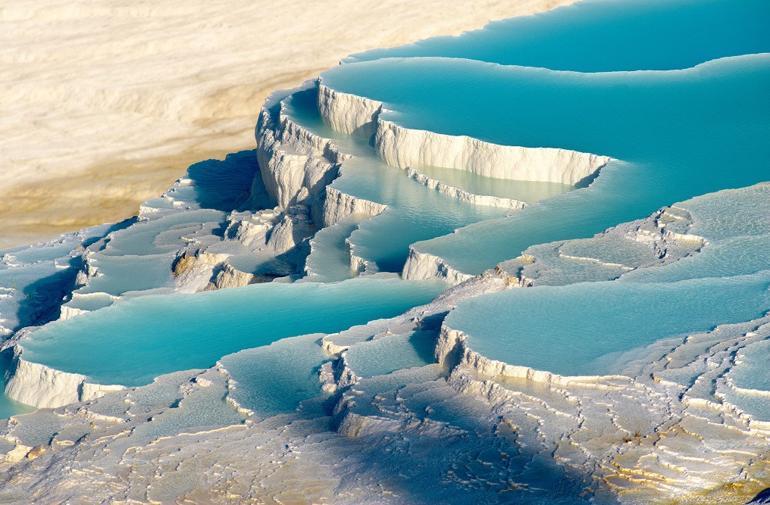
column 32, row 281
column 329, row 258
column 523, row 191
column 609, row 35
column 275, row 378
column 750, row 373
column 736, row 226
column 132, row 342
column 567, row 329
column 415, row 212
column 676, row 132
column 121, row 274
column 577, row 329
column 302, row 107
column 390, row 353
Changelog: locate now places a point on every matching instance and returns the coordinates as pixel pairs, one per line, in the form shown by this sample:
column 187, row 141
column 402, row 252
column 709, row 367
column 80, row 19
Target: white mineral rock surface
column 665, row 429
column 407, row 148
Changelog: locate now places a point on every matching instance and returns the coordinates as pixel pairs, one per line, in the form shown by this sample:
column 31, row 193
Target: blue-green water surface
column 608, row 35
column 674, row 135
column 134, row 341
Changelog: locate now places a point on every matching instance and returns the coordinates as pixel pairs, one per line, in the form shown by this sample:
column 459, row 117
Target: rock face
column 463, row 195
column 227, row 276
column 44, row 387
column 346, row 113
column 295, row 165
column 422, row 266
column 408, row 148
column 340, row 206
column 403, row 147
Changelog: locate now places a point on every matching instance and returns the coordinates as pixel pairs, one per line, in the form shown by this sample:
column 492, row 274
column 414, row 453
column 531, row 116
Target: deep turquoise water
column 609, row 35
column 136, row 340
column 677, row 134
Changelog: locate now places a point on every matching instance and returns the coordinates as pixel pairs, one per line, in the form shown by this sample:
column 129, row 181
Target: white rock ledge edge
column 41, row 386
column 407, row 148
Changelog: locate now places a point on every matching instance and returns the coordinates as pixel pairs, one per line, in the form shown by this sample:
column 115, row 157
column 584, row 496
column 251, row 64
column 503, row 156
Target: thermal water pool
column 584, row 328
column 674, row 133
column 607, row 36
column 414, row 211
column 135, row 341
column 672, row 143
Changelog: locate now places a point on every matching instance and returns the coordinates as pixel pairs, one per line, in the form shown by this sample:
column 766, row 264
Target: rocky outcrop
column 422, row 266
column 404, row 147
column 295, row 165
column 44, row 387
column 346, row 113
column 463, row 195
column 340, row 206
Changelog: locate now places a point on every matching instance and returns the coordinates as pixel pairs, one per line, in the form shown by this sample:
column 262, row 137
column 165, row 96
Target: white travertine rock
column 452, row 344
column 463, row 195
column 252, row 229
column 422, row 266
column 295, row 165
column 70, row 312
column 193, row 269
column 41, row 386
column 90, row 391
column 360, row 264
column 644, row 434
column 227, row 276
column 294, row 227
column 339, row 206
column 404, row 147
column 264, row 234
column 659, row 239
column 346, row 113
column 44, row 387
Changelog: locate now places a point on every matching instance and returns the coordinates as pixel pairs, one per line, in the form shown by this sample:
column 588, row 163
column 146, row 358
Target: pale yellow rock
column 17, row 453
